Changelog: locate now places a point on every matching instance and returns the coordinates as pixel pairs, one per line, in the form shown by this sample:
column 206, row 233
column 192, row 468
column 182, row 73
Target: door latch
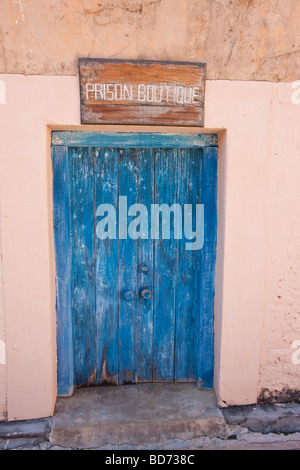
column 129, row 295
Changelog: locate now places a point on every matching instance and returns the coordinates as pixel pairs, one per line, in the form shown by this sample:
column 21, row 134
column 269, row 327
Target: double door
column 139, row 234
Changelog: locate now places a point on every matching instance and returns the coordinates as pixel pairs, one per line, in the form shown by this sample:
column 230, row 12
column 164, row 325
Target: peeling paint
column 92, row 377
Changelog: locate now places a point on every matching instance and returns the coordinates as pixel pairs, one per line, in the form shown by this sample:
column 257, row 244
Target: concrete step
column 136, row 414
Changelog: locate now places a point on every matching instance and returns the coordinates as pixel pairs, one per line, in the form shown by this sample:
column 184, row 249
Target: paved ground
column 155, row 417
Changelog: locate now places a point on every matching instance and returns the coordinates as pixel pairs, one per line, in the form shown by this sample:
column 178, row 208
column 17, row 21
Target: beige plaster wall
column 239, row 40
column 258, row 245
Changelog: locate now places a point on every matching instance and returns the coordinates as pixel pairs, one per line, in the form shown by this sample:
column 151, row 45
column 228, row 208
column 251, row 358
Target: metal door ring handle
column 146, row 294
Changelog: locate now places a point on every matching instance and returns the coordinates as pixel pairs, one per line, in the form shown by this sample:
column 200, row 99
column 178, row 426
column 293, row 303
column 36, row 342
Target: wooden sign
column 142, row 92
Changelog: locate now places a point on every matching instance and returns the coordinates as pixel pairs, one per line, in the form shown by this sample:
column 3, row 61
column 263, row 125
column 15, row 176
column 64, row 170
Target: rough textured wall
column 280, row 345
column 239, row 40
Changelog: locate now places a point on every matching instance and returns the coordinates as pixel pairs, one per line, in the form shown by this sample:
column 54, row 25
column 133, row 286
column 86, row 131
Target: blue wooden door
column 135, row 223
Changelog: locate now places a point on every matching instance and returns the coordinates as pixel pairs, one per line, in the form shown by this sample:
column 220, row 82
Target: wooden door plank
column 61, row 225
column 208, row 263
column 165, row 265
column 128, row 264
column 190, row 162
column 106, row 267
column 83, row 276
column 145, row 192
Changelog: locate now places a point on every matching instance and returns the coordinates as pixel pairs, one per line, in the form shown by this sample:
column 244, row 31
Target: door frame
column 60, row 142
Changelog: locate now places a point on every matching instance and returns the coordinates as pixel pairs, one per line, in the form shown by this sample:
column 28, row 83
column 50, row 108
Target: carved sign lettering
column 141, row 92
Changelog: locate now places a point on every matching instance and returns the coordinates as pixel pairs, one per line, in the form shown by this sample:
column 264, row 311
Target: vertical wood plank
column 83, row 276
column 208, row 262
column 61, row 225
column 188, row 299
column 106, row 270
column 165, row 265
column 128, row 264
column 145, row 269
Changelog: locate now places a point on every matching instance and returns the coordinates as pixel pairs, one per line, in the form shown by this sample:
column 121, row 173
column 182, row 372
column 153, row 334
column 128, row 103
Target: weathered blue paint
column 81, row 181
column 145, row 188
column 61, row 223
column 142, row 139
column 208, row 262
column 188, row 288
column 128, row 262
column 163, row 330
column 165, row 269
column 106, row 162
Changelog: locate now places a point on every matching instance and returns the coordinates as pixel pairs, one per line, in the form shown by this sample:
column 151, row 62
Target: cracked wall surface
column 239, row 40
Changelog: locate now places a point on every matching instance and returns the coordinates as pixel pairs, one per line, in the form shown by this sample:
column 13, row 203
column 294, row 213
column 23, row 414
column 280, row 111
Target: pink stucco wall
column 280, row 345
column 258, row 269
column 3, row 406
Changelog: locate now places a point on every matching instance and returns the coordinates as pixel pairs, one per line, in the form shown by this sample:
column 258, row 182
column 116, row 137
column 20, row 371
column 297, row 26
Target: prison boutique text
column 170, row 94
